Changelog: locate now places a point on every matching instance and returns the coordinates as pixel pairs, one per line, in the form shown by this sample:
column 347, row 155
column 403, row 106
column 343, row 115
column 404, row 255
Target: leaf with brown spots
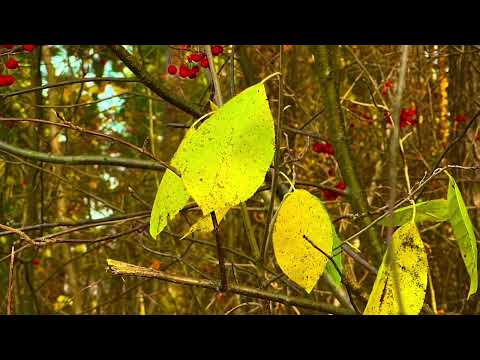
column 404, row 271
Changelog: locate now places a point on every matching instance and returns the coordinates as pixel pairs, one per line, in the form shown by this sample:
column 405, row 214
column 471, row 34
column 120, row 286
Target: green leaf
column 407, row 264
column 171, row 194
column 337, row 259
column 229, row 154
column 463, row 231
column 433, row 210
column 302, row 215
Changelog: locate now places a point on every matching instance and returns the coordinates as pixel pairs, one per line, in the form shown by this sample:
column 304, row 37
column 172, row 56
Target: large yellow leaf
column 302, row 215
column 408, row 267
column 229, row 154
column 171, row 194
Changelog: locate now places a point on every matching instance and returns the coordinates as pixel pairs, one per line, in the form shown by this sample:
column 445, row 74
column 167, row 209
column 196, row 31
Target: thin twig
column 10, row 283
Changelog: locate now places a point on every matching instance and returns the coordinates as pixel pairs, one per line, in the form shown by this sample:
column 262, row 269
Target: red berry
column 217, row 50
column 328, row 149
column 184, row 71
column 317, row 147
column 460, row 118
column 7, row 46
column 204, row 63
column 6, row 80
column 195, row 69
column 196, row 57
column 329, row 195
column 332, row 195
column 28, row 47
column 192, row 74
column 103, row 62
column 11, row 64
column 172, row 69
column 35, row 262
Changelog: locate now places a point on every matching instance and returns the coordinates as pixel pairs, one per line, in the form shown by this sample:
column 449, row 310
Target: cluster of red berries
column 326, row 148
column 190, row 68
column 386, row 87
column 407, row 117
column 11, row 63
column 331, row 195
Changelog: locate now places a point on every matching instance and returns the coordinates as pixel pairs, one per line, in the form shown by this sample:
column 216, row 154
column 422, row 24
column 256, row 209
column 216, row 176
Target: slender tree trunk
column 32, row 176
column 327, row 69
column 56, row 148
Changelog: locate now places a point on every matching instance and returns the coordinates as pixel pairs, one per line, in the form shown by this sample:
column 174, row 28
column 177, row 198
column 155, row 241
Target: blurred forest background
column 63, row 216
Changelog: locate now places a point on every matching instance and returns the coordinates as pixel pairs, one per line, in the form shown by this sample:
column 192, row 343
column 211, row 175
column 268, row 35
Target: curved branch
column 83, row 159
column 145, row 78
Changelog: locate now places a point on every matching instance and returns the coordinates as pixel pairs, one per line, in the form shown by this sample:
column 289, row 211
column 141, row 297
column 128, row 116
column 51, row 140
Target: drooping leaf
column 302, row 215
column 337, row 259
column 405, row 271
column 204, row 224
column 171, row 194
column 230, row 152
column 463, row 231
column 433, row 210
column 2, row 168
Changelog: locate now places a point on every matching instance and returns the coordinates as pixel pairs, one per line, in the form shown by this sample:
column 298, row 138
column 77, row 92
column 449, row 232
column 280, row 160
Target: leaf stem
column 347, row 286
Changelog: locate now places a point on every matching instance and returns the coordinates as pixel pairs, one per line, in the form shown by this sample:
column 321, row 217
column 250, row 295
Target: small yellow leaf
column 405, row 271
column 302, row 215
column 213, row 106
column 205, row 223
column 81, row 248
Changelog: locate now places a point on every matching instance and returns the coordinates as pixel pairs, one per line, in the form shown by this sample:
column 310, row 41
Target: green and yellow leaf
column 302, row 215
column 229, row 154
column 330, row 268
column 433, row 210
column 463, row 231
column 171, row 194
